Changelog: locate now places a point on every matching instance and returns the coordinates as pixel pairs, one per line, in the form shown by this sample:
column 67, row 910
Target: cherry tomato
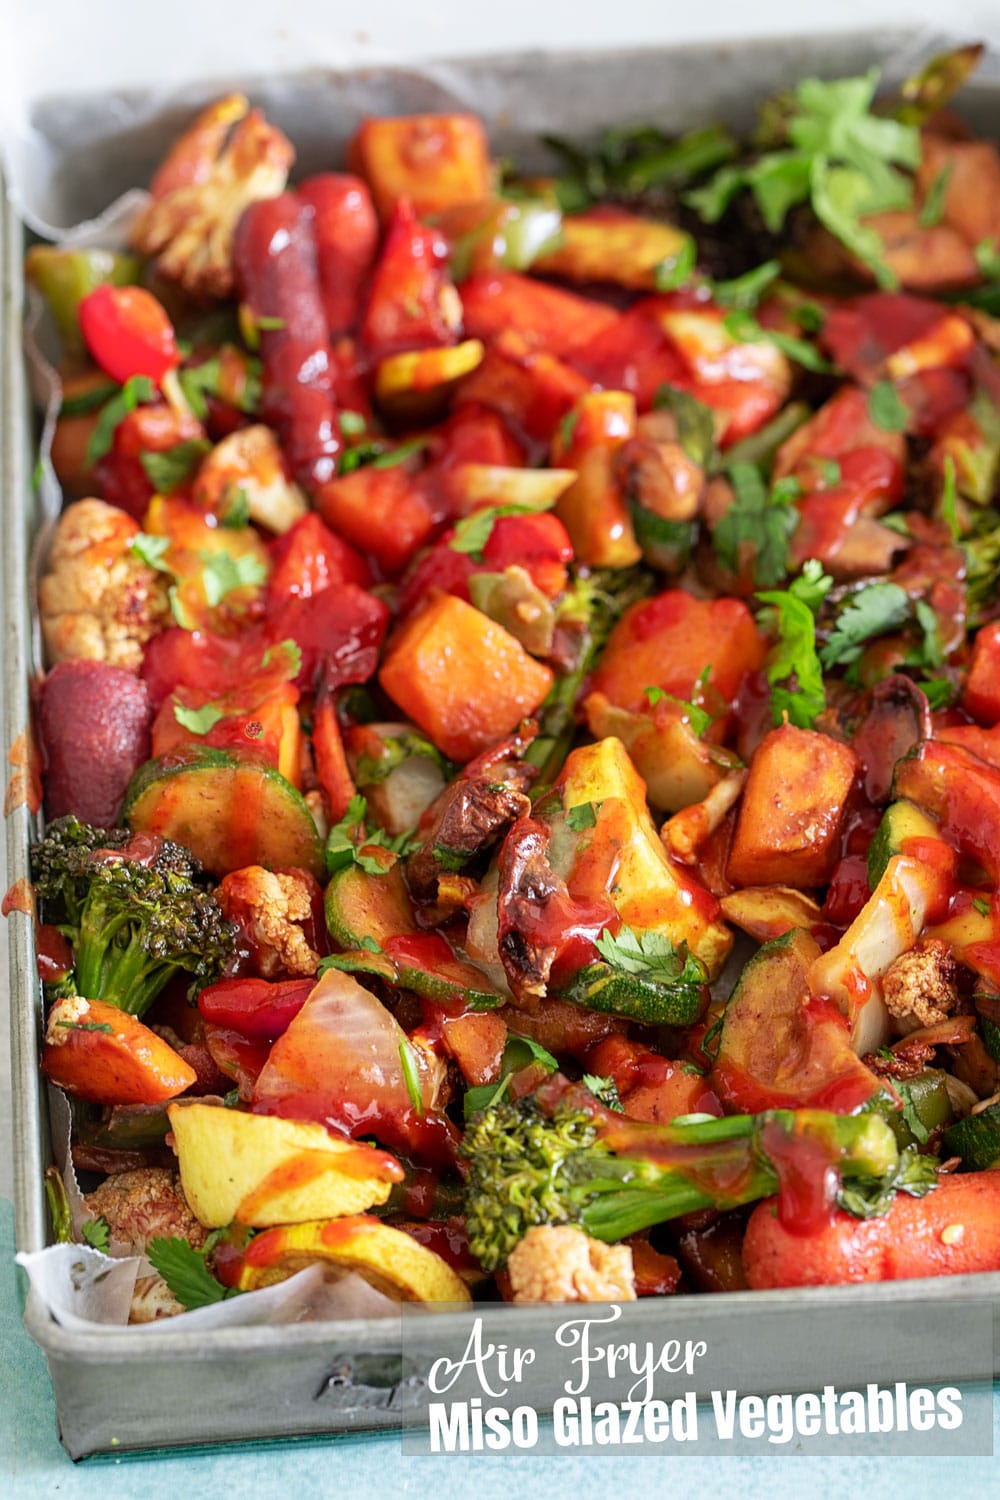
column 128, row 333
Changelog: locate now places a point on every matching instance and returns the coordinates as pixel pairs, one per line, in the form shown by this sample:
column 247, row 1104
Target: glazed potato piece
column 789, row 821
column 97, row 599
column 436, row 161
column 559, row 1263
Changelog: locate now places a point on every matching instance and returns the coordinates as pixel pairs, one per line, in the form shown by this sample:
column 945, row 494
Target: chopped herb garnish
column 758, row 518
column 197, row 720
column 96, row 1233
column 743, row 326
column 583, row 815
column 168, row 471
column 184, row 1270
column 411, row 1075
column 136, row 391
column 872, row 611
column 887, row 408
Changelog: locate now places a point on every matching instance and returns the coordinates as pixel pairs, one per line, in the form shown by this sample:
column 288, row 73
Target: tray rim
column 30, row 1133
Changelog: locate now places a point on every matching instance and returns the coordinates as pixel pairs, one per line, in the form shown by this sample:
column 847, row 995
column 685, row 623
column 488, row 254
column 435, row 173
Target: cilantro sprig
column 761, row 518
column 651, row 955
column 138, row 390
column 348, row 839
column 186, row 1272
column 793, row 667
column 833, row 152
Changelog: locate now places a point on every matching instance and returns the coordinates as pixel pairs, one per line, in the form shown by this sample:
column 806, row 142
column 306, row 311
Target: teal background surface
column 34, row 1465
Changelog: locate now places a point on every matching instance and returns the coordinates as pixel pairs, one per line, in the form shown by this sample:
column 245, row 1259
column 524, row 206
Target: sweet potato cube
column 437, row 161
column 464, row 679
column 789, row 822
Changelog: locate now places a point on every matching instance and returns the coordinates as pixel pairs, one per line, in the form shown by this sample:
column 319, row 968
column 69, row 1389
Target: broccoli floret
column 578, row 1163
column 136, row 909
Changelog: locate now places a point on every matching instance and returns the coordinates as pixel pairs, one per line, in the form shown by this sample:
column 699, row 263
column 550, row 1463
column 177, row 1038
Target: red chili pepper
column 128, row 333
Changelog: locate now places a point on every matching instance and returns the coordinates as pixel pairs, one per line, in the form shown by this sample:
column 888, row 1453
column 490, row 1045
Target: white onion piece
column 344, row 1047
column 887, row 926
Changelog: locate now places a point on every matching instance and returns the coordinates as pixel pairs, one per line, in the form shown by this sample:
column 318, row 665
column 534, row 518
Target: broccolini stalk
column 614, row 1176
column 592, row 609
column 134, row 908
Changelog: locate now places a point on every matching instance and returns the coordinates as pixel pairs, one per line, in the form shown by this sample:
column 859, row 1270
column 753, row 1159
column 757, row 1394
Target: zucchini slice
column 636, row 998
column 976, row 1139
column 363, row 909
column 230, row 812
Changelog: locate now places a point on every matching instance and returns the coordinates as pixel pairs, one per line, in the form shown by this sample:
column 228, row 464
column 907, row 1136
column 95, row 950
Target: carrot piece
column 954, row 1230
column 98, row 1052
column 437, row 161
column 788, row 828
column 464, row 679
column 331, row 761
column 982, row 688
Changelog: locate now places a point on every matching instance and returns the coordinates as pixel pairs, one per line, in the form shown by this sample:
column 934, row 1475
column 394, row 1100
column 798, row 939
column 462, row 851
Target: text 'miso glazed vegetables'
column 575, row 1162
column 135, row 909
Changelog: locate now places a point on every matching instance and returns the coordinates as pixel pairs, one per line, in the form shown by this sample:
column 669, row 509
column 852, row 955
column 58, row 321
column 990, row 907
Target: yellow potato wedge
column 262, row 1170
column 388, row 1259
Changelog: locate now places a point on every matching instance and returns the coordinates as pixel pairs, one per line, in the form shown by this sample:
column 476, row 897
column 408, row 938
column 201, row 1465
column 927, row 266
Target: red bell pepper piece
column 553, row 318
column 328, row 750
column 413, row 303
column 310, row 557
column 339, row 630
column 256, row 1008
column 538, row 543
column 982, row 688
column 128, row 333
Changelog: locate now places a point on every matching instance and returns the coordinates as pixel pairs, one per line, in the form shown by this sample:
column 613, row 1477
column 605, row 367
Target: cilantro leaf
column 136, row 391
column 695, row 423
column 743, row 326
column 96, row 1233
column 151, row 549
column 869, row 1198
column 237, row 512
column 222, row 573
column 948, row 503
column 605, row 1090
column 696, row 716
column 871, row 612
column 399, row 454
column 761, row 519
column 834, row 153
column 288, row 654
column 184, row 1270
column 988, row 259
column 168, row 471
column 583, row 816
column 86, row 1026
column 347, row 840
column 652, row 955
column 197, row 720
column 744, row 292
column 793, row 658
column 887, row 408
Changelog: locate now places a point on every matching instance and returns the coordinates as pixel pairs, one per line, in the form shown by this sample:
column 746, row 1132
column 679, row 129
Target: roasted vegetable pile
column 521, row 728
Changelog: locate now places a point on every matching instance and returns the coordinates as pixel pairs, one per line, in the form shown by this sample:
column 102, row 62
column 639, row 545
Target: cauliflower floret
column 558, row 1263
column 202, row 189
column 919, row 988
column 268, row 908
column 139, row 1206
column 98, row 600
column 249, row 463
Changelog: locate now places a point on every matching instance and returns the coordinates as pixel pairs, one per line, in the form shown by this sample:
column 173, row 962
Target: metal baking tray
column 116, row 1392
